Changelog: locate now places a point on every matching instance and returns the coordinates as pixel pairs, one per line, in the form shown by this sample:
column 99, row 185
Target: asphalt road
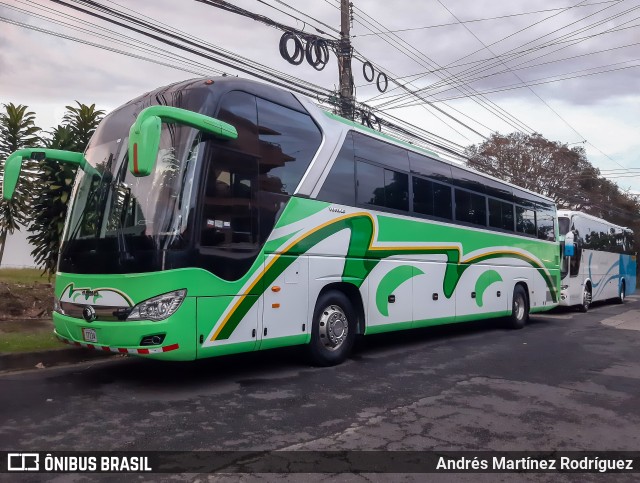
column 567, row 381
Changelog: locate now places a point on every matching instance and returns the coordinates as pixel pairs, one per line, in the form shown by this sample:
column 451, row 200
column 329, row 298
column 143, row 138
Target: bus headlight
column 158, row 308
column 56, row 305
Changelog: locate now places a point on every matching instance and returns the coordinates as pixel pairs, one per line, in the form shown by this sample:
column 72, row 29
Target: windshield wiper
column 124, row 255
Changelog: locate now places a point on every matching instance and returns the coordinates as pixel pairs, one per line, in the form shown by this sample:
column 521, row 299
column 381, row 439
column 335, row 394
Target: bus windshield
column 122, row 223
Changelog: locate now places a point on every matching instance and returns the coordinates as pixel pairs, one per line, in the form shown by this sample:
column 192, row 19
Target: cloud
column 39, row 69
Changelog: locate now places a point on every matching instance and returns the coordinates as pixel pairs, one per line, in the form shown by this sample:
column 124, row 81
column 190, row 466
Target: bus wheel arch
column 519, row 307
column 337, row 317
column 586, row 297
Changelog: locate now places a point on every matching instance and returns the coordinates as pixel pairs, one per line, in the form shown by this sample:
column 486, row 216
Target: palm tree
column 17, row 130
column 82, row 121
column 56, row 182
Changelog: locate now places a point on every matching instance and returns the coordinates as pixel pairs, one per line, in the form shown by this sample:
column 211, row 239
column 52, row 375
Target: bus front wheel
column 586, row 299
column 519, row 309
column 333, row 330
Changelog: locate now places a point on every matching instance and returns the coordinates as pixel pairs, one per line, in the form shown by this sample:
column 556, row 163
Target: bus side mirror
column 144, row 143
column 144, row 135
column 569, row 249
column 13, row 165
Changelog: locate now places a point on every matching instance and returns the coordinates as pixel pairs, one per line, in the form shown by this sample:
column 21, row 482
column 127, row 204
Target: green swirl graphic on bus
column 99, row 296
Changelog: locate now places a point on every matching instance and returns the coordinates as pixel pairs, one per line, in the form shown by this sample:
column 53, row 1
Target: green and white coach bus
column 222, row 215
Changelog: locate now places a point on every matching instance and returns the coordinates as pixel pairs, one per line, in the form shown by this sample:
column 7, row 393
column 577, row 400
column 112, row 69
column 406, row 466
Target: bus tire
column 333, row 330
column 519, row 309
column 621, row 293
column 586, row 299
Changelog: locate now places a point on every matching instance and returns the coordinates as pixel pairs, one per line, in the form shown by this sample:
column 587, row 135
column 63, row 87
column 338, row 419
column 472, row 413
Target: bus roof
column 570, row 213
column 420, row 150
column 211, row 88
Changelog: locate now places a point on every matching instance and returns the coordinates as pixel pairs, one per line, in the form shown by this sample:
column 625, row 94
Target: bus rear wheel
column 333, row 330
column 519, row 309
column 621, row 293
column 586, row 299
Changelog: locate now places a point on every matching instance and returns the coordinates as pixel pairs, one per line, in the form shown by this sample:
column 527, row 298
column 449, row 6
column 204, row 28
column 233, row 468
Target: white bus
column 599, row 261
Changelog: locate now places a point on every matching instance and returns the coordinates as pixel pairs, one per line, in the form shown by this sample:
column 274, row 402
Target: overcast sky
column 47, row 73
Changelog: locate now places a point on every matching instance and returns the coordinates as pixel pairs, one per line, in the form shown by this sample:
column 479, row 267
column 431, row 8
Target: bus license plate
column 89, row 335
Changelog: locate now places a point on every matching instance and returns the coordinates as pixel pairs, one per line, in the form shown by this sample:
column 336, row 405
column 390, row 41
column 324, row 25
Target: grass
column 28, row 341
column 20, row 299
column 24, row 275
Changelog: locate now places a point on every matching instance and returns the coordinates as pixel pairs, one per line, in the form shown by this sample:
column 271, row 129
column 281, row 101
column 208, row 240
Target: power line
column 134, row 43
column 563, row 59
column 99, row 46
column 477, row 20
column 201, row 49
column 495, row 60
column 524, row 85
column 413, row 56
column 304, row 14
column 480, row 67
column 501, row 59
column 453, row 78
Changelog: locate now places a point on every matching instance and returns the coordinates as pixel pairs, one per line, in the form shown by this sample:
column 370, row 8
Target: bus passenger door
column 286, row 302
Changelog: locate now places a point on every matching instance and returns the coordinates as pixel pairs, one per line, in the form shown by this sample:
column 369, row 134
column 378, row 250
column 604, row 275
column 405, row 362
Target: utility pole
column 345, row 52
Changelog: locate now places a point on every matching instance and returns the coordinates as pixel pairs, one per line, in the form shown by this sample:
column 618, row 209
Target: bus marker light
column 275, row 288
column 275, row 306
column 135, row 158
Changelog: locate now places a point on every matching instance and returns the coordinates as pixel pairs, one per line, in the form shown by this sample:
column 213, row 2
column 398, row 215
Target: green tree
column 82, row 120
column 553, row 169
column 17, row 130
column 535, row 163
column 56, row 182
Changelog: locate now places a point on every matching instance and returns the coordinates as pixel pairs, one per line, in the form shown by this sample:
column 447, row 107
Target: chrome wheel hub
column 518, row 306
column 334, row 327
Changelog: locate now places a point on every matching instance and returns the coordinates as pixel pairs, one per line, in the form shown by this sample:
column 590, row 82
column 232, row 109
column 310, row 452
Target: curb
column 48, row 358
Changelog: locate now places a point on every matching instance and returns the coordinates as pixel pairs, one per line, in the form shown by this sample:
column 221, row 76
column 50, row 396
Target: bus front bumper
column 178, row 334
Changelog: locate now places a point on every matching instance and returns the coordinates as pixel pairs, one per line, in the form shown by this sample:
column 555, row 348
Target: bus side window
column 471, row 207
column 545, row 223
column 339, row 186
column 500, row 214
column 431, row 198
column 369, row 184
column 288, row 141
column 525, row 221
